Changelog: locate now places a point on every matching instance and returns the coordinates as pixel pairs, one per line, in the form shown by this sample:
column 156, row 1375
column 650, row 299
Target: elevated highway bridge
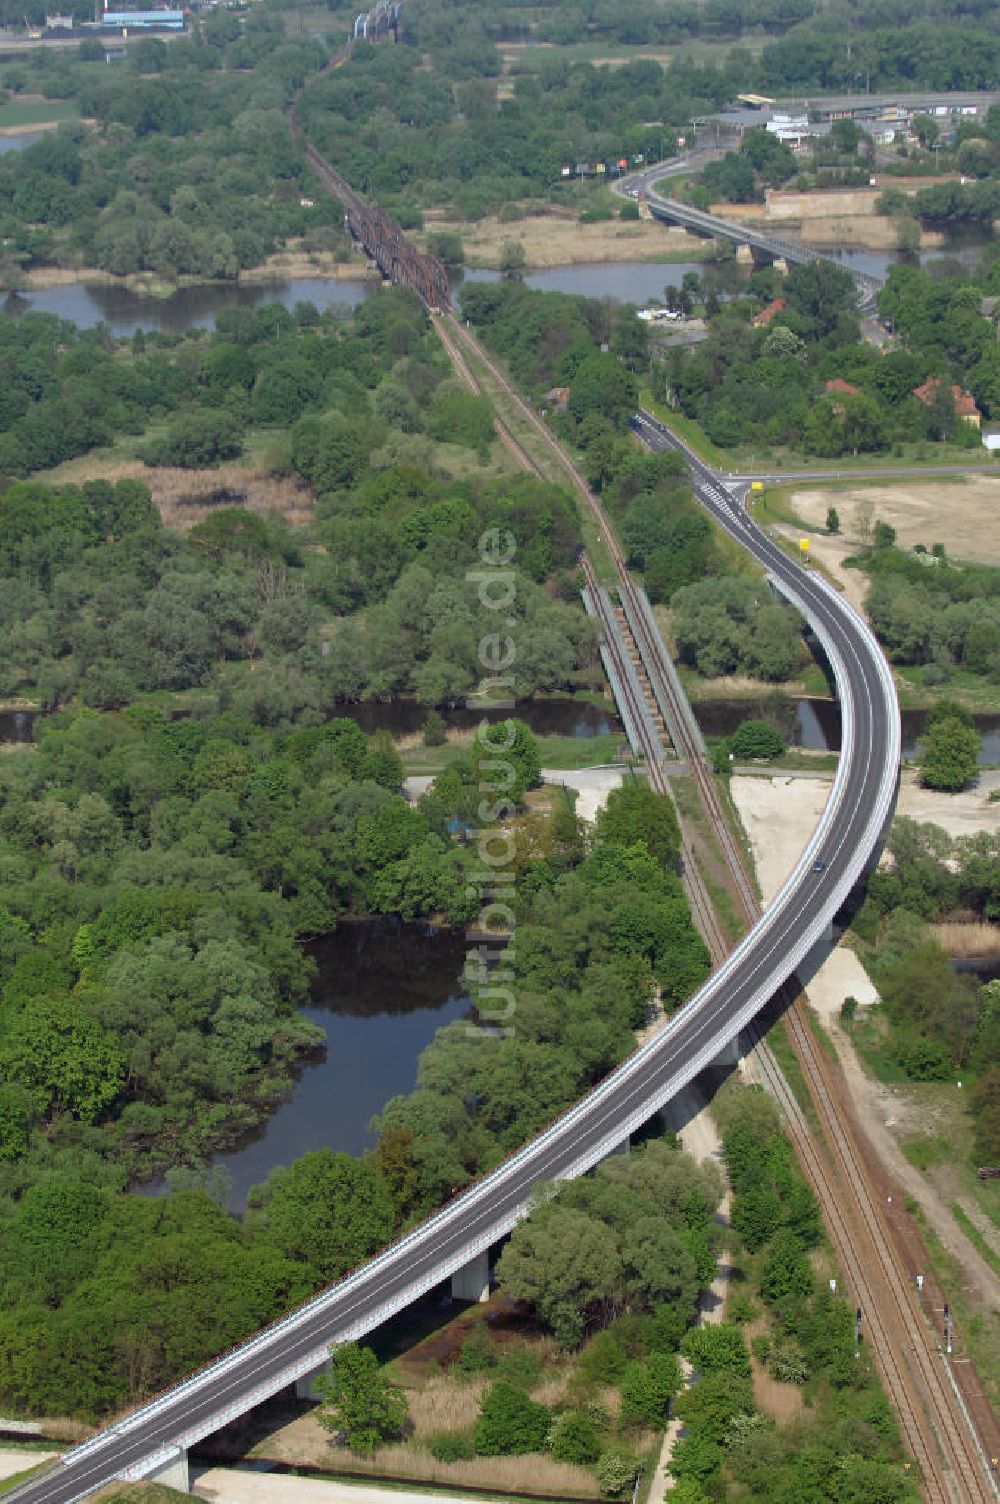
column 153, row 1440
column 761, row 242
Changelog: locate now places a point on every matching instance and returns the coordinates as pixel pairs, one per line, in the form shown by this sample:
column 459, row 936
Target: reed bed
column 978, row 939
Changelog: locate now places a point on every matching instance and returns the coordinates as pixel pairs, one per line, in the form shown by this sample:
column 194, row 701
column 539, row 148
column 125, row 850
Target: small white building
column 991, row 439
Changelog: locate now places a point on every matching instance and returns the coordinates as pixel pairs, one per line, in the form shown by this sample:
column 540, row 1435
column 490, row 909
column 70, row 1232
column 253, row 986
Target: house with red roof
column 769, row 313
column 965, row 403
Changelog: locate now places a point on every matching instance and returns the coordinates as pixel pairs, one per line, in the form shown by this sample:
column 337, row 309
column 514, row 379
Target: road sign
column 756, row 485
column 566, row 172
column 623, row 163
column 804, row 545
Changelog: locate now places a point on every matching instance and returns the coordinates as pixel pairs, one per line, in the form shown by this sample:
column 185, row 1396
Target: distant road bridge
column 765, row 245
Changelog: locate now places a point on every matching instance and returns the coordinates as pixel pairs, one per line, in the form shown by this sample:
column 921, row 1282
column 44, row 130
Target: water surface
column 384, row 989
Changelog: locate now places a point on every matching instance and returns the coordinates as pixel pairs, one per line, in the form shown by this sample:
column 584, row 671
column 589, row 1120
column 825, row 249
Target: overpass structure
column 152, row 1441
column 765, row 245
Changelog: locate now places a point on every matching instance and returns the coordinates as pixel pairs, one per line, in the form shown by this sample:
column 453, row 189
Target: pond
column 20, row 141
column 383, row 990
column 16, row 725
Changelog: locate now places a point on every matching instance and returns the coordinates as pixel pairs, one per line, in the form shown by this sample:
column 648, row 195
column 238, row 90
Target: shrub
column 575, row 1439
column 196, row 440
column 452, row 1446
column 478, row 1354
column 521, row 1366
column 510, row 1423
column 717, row 1349
column 756, row 739
column 629, row 211
column 926, row 1060
column 435, row 730
column 616, row 1473
column 603, row 1360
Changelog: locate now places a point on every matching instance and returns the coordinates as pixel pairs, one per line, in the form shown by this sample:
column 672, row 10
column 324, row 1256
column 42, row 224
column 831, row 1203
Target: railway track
column 953, row 1462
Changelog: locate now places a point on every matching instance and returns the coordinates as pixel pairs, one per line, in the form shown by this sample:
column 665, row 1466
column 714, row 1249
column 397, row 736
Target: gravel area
column 14, row 1460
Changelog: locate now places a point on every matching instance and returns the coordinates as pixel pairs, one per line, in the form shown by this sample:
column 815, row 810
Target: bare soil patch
column 834, row 217
column 551, row 240
column 962, row 513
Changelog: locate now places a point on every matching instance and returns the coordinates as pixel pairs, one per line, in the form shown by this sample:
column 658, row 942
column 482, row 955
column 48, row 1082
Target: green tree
column 358, row 1398
column 326, row 1209
column 512, row 257
column 635, row 813
column 832, row 520
column 949, row 755
column 562, row 1263
column 62, row 1058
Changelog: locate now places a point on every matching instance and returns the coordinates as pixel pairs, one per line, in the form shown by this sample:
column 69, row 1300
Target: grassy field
column 17, row 113
column 563, row 752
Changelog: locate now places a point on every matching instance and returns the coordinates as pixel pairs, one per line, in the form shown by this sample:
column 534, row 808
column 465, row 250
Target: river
column 123, row 312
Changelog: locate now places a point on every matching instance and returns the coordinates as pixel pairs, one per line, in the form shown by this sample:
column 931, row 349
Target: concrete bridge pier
column 733, row 1055
column 472, row 1281
column 305, row 1388
column 744, row 255
column 173, row 1472
column 780, row 265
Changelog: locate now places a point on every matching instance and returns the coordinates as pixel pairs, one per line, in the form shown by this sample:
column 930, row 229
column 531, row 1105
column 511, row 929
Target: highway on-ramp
column 860, row 803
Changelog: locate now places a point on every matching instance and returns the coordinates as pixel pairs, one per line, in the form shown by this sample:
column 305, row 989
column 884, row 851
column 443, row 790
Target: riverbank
column 277, row 268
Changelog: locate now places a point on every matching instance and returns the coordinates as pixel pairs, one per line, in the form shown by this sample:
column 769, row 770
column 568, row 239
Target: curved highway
column 859, row 806
column 698, row 221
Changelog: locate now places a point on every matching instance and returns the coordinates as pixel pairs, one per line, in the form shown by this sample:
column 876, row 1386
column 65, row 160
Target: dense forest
column 104, row 602
column 194, row 809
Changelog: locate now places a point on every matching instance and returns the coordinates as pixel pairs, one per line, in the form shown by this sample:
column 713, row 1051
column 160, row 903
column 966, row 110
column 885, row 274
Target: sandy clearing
column 592, row 785
column 239, row 1486
column 15, row 1460
column 959, row 814
column 551, row 240
column 963, row 514
column 779, row 815
column 830, row 553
